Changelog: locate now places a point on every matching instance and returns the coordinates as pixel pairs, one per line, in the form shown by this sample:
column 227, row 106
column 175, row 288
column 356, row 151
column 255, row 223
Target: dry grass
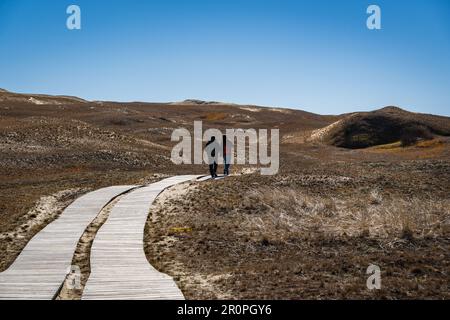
column 424, row 149
column 215, row 116
column 306, row 236
column 389, row 146
column 292, row 213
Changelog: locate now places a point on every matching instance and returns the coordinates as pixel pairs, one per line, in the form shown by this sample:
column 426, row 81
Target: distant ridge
column 198, row 102
column 36, row 98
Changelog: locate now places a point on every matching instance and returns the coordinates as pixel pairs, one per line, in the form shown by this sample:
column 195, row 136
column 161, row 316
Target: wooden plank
column 42, row 266
column 119, row 267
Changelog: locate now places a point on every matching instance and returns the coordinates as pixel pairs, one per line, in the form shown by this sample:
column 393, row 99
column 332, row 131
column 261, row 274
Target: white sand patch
column 320, row 134
column 153, row 144
column 251, row 109
column 250, row 170
column 286, row 111
column 36, row 101
column 207, row 282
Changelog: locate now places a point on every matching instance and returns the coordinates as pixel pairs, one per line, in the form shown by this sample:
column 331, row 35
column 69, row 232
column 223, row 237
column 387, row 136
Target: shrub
column 412, row 134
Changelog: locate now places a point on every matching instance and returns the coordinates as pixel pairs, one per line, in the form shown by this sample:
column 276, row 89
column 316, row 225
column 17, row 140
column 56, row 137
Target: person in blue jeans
column 226, row 155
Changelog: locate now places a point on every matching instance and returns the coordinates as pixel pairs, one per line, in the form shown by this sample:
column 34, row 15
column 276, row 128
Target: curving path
column 119, row 267
column 40, row 269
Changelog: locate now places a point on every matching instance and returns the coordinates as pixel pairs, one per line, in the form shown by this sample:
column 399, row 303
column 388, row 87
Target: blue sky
column 312, row 55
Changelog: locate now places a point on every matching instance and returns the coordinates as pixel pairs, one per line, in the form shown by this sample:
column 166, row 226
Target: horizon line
column 212, row 102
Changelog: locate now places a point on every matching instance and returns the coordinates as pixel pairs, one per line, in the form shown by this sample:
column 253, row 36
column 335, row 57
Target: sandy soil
column 187, row 281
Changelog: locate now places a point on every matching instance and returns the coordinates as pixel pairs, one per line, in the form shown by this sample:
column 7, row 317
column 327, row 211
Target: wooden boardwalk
column 40, row 269
column 119, row 267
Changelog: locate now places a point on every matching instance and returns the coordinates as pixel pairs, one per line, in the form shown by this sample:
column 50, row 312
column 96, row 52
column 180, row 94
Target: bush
column 412, row 134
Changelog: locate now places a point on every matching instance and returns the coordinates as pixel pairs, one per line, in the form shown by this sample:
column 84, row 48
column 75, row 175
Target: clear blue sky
column 312, row 55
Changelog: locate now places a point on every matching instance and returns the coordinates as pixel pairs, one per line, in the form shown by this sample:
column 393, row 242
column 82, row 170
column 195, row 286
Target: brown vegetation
column 309, row 232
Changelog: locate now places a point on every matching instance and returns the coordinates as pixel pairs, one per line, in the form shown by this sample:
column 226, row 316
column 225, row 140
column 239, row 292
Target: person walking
column 226, row 155
column 211, row 147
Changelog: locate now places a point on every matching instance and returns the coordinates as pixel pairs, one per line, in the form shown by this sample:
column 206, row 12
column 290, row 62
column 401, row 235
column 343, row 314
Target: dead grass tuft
column 215, row 116
column 292, row 213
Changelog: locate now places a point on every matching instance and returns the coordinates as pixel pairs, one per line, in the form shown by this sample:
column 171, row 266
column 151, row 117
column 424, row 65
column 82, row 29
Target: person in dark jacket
column 226, row 155
column 211, row 151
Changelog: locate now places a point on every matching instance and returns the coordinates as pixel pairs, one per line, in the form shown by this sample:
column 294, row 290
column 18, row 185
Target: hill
column 384, row 126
